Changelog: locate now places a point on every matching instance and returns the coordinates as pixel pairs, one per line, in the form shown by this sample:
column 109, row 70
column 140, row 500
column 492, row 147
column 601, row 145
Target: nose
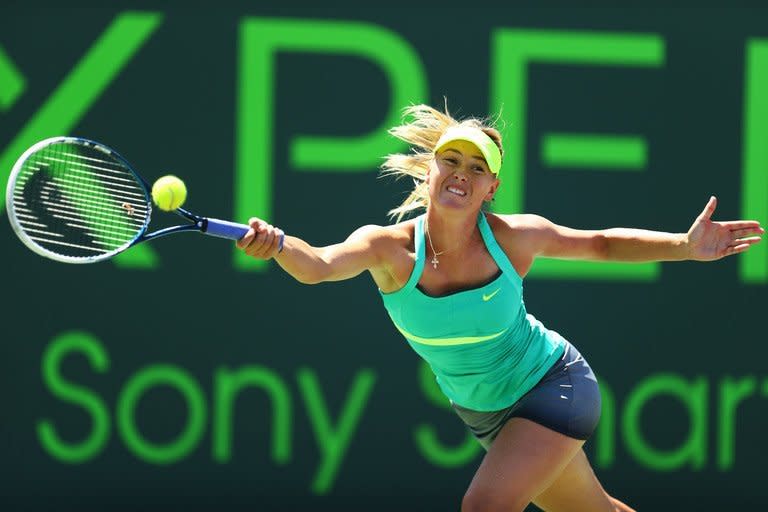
column 460, row 174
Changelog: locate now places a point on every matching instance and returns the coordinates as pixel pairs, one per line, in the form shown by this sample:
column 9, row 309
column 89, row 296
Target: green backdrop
column 182, row 376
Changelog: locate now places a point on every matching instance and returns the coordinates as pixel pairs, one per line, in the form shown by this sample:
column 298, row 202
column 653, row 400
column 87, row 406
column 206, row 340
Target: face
column 459, row 177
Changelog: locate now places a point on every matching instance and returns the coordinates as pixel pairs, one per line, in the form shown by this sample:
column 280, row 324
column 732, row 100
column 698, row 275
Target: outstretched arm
column 706, row 240
column 362, row 250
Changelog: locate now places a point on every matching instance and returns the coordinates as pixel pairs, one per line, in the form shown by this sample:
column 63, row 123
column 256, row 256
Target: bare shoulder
column 519, row 236
column 520, row 222
column 394, row 248
column 517, row 227
column 534, row 236
column 385, row 237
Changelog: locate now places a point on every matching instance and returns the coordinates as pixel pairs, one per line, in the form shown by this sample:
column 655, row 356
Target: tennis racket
column 77, row 201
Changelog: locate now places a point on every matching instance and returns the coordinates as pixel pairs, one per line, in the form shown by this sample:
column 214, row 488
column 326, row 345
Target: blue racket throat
column 212, row 227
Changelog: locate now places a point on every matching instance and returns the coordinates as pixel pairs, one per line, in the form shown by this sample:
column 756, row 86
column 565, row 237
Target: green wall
column 183, row 376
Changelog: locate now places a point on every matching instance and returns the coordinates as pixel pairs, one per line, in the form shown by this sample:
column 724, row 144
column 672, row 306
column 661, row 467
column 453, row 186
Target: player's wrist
column 683, row 246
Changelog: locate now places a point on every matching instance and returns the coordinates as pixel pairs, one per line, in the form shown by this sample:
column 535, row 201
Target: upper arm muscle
column 362, row 250
column 545, row 238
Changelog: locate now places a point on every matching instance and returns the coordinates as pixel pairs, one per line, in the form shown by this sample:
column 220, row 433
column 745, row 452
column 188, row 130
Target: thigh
column 575, row 489
column 522, row 462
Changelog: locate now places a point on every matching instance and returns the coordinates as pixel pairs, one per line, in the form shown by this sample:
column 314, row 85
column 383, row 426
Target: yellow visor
column 484, row 143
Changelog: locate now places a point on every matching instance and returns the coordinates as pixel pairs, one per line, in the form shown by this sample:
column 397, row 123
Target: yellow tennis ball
column 169, row 193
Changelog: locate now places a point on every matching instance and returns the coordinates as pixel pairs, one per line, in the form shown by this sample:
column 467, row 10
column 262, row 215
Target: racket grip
column 225, row 229
column 230, row 230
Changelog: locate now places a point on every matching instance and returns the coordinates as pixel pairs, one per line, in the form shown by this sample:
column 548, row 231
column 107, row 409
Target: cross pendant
column 434, row 262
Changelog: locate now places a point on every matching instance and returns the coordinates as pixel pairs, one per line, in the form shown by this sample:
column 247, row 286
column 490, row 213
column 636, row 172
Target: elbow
column 601, row 247
column 316, row 276
column 309, row 278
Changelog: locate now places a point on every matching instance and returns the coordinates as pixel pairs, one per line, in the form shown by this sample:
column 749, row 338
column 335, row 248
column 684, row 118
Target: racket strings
column 77, row 201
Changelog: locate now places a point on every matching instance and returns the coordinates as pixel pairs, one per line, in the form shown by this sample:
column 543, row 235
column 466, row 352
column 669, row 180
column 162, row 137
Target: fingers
column 743, row 235
column 742, row 224
column 741, row 245
column 247, row 239
column 736, row 249
column 748, row 241
column 745, row 232
column 709, row 209
column 262, row 240
column 733, row 225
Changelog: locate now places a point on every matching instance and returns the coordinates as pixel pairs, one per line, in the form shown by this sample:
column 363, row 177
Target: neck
column 451, row 234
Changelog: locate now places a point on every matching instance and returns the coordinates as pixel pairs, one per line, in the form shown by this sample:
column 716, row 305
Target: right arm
column 364, row 249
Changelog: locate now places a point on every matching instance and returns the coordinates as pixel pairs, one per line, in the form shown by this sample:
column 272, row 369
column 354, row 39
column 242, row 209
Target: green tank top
column 484, row 349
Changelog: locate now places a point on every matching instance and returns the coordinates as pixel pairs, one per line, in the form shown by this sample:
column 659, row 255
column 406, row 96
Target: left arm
column 706, row 240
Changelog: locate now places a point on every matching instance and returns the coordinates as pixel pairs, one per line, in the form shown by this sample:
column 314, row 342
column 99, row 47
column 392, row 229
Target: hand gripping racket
column 77, row 201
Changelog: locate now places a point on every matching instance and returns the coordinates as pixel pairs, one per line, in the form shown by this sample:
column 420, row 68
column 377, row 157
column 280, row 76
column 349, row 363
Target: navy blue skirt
column 566, row 400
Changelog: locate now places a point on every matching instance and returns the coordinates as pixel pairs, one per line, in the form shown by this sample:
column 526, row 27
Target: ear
column 492, row 191
column 432, row 164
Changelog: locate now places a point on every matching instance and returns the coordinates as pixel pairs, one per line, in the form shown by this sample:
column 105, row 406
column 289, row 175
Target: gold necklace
column 435, row 262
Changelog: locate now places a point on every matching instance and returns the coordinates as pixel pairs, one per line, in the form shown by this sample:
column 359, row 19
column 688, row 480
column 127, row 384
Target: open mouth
column 457, row 191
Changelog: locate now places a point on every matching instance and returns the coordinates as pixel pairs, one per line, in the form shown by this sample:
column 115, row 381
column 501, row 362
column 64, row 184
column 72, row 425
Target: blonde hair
column 422, row 133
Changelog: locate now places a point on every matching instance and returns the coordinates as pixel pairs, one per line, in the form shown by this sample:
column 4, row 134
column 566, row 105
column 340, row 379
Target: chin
column 457, row 204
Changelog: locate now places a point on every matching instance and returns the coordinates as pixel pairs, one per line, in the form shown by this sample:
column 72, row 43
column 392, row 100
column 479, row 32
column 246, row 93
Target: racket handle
column 225, row 229
column 230, row 230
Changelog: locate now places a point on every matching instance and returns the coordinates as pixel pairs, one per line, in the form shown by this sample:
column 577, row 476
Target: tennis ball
column 169, row 193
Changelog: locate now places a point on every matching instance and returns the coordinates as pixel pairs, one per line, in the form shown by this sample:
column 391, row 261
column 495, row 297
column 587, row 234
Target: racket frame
column 31, row 244
column 209, row 226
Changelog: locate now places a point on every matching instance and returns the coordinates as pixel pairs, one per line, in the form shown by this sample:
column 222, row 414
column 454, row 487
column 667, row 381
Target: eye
column 479, row 169
column 450, row 160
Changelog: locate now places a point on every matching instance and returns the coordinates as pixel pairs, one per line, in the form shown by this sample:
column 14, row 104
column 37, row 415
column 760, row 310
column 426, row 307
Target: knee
column 486, row 500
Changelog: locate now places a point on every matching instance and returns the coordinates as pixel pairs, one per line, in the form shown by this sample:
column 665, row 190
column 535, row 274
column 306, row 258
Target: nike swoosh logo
column 486, row 298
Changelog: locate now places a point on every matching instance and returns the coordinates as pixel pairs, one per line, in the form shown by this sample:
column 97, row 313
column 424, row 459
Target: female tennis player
column 451, row 281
